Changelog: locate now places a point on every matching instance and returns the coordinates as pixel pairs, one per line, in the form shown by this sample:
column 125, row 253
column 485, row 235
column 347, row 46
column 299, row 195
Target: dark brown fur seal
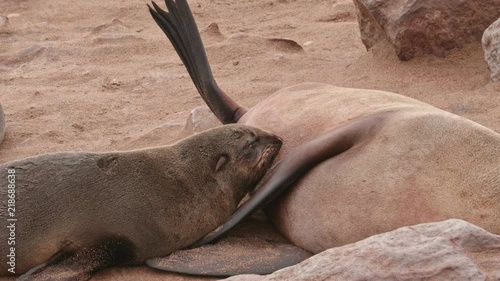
column 415, row 164
column 80, row 212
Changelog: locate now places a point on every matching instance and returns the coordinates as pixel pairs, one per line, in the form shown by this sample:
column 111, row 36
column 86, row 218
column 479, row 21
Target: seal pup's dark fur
column 79, row 212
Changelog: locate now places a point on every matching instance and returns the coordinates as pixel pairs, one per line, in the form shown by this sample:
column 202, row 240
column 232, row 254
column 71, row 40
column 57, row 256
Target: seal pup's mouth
column 266, row 159
column 268, row 156
column 269, row 153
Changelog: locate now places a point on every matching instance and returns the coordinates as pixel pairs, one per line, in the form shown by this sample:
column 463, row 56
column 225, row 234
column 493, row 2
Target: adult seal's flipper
column 254, row 248
column 179, row 26
column 297, row 163
column 232, row 256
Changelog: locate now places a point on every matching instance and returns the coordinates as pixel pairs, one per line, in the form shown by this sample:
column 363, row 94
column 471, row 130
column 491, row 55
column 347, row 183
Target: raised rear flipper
column 255, row 247
column 179, row 26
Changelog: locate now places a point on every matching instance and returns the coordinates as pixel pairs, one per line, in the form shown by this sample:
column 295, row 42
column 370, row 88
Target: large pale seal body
column 421, row 164
column 392, row 160
column 79, row 212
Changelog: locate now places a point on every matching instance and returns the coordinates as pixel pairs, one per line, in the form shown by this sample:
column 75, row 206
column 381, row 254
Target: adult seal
column 72, row 214
column 372, row 161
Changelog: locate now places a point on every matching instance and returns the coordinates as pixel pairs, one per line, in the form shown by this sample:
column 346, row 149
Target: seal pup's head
column 253, row 154
column 238, row 156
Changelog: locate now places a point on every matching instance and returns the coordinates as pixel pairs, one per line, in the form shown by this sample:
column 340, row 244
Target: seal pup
column 71, row 214
column 418, row 164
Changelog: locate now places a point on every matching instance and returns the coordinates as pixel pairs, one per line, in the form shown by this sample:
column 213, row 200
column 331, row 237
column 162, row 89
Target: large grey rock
column 491, row 46
column 447, row 250
column 416, row 27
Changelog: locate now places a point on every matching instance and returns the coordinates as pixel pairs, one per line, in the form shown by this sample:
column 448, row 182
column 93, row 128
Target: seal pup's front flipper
column 179, row 26
column 297, row 163
column 79, row 263
column 254, row 247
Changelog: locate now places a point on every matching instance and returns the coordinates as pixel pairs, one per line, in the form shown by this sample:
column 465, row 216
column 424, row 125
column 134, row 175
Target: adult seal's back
column 71, row 214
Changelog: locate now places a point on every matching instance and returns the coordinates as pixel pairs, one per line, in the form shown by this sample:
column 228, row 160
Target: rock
column 211, row 34
column 491, row 47
column 212, row 30
column 448, row 250
column 162, row 134
column 417, row 27
column 200, row 119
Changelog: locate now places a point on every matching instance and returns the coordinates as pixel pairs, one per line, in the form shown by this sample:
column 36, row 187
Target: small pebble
column 278, row 57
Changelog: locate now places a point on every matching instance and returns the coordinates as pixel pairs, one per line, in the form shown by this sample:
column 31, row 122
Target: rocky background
column 100, row 75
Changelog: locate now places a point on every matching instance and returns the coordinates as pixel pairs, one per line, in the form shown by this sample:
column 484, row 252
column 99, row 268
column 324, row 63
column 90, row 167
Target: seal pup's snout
column 277, row 141
column 275, row 144
column 272, row 140
column 268, row 146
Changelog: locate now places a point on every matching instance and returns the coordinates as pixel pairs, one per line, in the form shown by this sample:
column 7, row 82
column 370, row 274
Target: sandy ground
column 100, row 75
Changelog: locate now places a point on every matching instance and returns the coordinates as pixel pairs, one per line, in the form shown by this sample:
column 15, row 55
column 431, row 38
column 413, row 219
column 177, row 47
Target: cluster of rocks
column 448, row 250
column 417, row 27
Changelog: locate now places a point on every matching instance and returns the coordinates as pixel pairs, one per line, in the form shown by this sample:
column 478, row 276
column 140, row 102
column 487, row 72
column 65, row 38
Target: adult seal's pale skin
column 372, row 161
column 80, row 212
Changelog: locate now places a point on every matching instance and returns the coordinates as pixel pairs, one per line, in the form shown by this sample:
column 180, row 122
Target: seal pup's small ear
column 222, row 161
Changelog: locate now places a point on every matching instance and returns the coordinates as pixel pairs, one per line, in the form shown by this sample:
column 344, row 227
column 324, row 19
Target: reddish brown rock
column 447, row 250
column 416, row 27
column 491, row 47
